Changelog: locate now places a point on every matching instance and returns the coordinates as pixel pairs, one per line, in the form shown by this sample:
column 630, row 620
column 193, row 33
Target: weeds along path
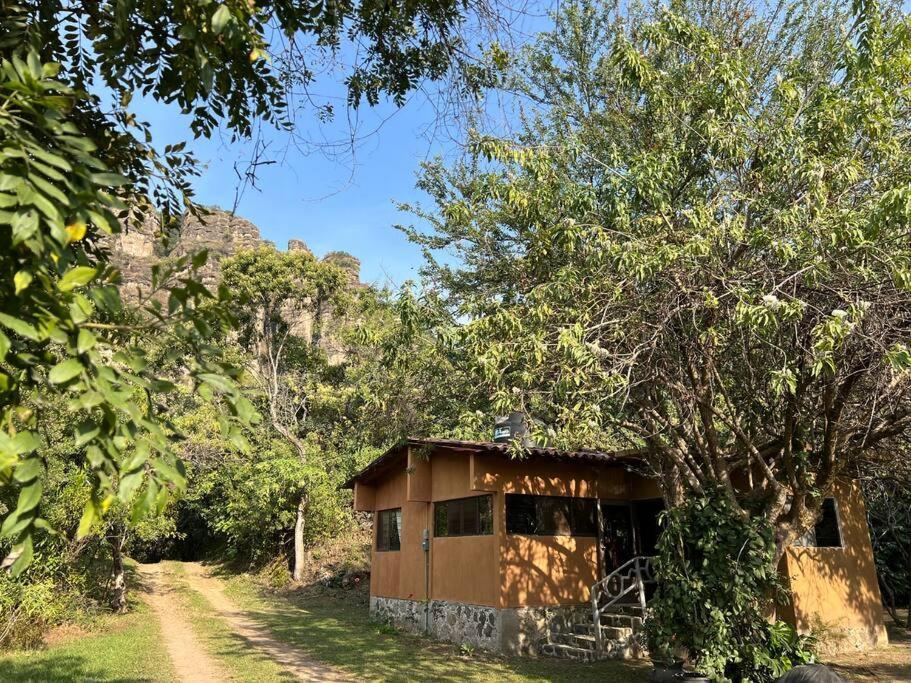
column 258, row 636
column 191, row 662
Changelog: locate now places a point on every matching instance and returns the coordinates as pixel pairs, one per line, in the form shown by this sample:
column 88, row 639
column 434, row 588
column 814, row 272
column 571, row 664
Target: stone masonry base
column 520, row 630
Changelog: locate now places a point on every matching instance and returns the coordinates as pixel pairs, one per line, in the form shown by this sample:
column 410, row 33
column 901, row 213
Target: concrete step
column 624, row 620
column 585, row 650
column 607, row 632
column 630, row 609
column 564, row 651
column 576, row 640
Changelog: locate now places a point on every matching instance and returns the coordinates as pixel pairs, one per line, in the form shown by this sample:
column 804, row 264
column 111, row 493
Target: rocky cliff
column 144, row 243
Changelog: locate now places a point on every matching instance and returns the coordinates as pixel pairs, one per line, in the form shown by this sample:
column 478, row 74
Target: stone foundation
column 520, row 630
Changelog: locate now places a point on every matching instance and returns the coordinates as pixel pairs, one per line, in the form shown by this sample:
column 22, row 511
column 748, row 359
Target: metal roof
column 494, row 448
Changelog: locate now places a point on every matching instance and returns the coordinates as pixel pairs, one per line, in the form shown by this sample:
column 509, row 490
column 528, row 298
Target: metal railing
column 632, row 575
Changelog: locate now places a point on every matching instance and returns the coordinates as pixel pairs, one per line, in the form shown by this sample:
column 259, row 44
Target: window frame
column 809, row 539
column 571, row 505
column 397, row 515
column 461, row 501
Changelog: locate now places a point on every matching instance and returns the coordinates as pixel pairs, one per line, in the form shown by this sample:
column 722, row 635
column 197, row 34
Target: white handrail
column 632, row 574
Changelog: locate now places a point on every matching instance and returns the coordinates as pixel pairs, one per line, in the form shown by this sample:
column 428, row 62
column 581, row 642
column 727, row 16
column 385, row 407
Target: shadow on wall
column 548, row 570
column 835, row 592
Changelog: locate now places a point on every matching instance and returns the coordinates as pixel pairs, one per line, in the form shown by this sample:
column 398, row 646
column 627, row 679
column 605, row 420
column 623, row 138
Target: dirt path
column 287, row 656
column 191, row 663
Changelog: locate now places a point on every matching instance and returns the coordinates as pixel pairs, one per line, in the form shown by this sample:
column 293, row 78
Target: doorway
column 618, row 542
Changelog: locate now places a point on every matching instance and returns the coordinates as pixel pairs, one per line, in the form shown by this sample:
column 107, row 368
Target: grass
column 242, row 662
column 337, row 631
column 119, row 649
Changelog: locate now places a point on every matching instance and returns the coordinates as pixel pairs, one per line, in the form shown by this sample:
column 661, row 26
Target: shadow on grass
column 335, row 629
column 59, row 668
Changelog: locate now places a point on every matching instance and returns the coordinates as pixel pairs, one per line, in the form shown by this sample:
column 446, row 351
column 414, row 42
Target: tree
column 76, row 163
column 286, row 300
column 709, row 259
column 697, row 245
column 887, row 495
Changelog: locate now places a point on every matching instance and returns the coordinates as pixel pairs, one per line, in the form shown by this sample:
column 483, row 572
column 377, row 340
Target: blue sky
column 342, row 203
column 345, row 203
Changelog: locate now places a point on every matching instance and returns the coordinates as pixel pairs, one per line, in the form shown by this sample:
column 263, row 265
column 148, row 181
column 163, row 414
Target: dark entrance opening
column 618, row 542
column 646, row 513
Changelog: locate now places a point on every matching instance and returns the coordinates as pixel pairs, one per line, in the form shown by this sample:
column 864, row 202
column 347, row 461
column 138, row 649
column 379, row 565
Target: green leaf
column 217, row 381
column 4, row 346
column 11, row 521
column 25, row 442
column 89, row 517
column 76, row 277
column 29, row 497
column 19, row 326
column 65, row 371
column 109, row 179
column 85, row 432
column 200, row 258
column 29, row 469
column 25, row 554
column 21, row 280
column 85, row 341
column 220, row 19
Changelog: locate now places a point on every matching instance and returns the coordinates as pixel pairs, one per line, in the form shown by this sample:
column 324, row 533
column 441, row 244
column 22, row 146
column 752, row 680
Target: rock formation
column 143, row 243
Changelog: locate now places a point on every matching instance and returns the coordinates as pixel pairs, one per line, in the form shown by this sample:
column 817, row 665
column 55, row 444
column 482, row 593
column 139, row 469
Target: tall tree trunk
column 118, row 577
column 299, row 526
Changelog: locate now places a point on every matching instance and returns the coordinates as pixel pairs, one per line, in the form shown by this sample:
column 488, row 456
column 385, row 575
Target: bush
column 717, row 582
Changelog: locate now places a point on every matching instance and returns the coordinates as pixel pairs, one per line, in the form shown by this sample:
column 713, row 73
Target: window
column 389, row 529
column 551, row 515
column 826, row 529
column 826, row 533
column 463, row 517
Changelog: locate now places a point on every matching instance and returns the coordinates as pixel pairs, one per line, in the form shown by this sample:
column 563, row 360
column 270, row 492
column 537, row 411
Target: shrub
column 717, row 582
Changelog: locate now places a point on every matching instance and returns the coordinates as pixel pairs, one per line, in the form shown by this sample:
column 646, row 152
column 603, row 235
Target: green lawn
column 119, row 649
column 338, row 632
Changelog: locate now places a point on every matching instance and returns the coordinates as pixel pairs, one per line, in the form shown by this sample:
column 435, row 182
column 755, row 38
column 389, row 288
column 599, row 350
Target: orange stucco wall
column 835, row 590
column 501, row 569
column 399, row 573
column 548, row 570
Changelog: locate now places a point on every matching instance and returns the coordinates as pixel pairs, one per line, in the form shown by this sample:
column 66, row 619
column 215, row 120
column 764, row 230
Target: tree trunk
column 118, row 577
column 299, row 525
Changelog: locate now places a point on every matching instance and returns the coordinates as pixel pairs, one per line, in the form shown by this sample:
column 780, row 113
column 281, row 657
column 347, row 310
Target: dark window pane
column 554, row 516
column 521, row 517
column 485, row 515
column 827, row 532
column 469, row 516
column 388, row 530
column 463, row 517
column 585, row 522
column 455, row 517
column 440, row 519
column 551, row 515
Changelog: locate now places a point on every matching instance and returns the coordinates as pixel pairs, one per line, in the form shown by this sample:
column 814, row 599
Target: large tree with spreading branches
column 697, row 243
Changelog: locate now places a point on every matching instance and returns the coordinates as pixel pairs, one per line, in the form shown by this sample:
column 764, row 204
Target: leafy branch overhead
column 696, row 244
column 76, row 163
column 63, row 330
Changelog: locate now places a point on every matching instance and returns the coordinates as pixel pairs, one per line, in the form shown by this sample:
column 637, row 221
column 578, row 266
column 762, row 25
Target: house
column 476, row 547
